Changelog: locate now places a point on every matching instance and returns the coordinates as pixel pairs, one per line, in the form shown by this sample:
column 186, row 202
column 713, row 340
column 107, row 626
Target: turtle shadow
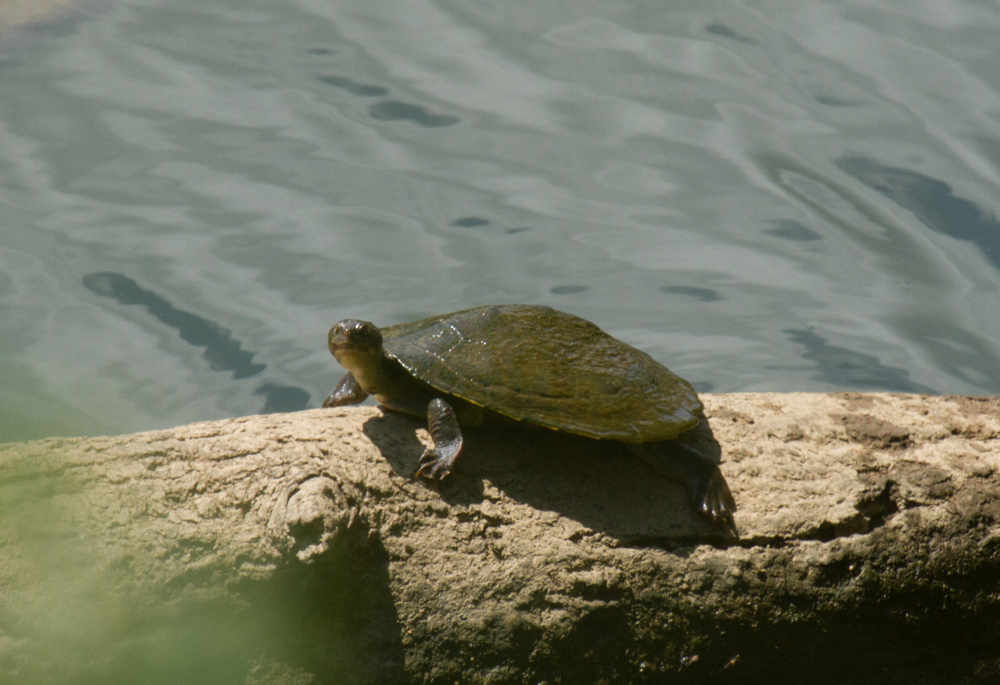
column 600, row 484
column 396, row 437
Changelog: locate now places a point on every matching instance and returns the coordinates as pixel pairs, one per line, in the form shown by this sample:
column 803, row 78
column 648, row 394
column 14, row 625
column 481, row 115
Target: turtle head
column 351, row 335
column 355, row 343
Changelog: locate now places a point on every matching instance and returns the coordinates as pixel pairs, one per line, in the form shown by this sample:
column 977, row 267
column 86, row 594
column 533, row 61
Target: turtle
column 529, row 365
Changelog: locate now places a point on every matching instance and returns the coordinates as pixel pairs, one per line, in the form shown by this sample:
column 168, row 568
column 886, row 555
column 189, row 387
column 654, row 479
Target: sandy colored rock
column 296, row 548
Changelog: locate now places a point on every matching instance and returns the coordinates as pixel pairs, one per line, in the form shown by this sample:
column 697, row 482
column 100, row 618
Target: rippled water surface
column 763, row 195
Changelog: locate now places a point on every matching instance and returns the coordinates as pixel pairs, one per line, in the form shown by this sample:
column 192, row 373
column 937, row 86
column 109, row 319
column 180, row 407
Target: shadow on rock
column 600, row 484
column 333, row 618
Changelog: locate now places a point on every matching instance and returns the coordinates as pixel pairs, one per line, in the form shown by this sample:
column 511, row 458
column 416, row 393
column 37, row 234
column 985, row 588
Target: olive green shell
column 546, row 367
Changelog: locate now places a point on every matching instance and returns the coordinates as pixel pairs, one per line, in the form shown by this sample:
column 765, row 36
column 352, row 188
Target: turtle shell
column 549, row 368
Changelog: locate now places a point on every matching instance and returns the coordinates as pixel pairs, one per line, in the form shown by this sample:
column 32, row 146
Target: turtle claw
column 433, row 465
column 717, row 503
column 436, row 462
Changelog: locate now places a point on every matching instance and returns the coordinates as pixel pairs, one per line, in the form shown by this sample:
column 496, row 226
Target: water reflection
column 469, row 222
column 221, row 352
column 666, row 174
column 282, row 398
column 792, row 230
column 701, row 294
column 389, row 110
column 726, row 32
column 831, row 101
column 394, row 110
column 932, row 201
column 354, row 87
column 846, row 368
column 568, row 289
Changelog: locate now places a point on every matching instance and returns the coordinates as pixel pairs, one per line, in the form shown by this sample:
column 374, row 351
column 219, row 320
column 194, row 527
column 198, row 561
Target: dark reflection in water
column 479, row 222
column 831, row 101
column 568, row 289
column 394, row 110
column 282, row 398
column 470, row 222
column 726, row 32
column 931, row 201
column 703, row 294
column 849, row 369
column 321, row 51
column 221, row 352
column 792, row 230
column 355, row 88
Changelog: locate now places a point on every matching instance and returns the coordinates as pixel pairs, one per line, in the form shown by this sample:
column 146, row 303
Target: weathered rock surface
column 295, row 548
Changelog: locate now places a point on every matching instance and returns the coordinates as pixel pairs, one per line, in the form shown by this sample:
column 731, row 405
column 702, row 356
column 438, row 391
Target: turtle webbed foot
column 437, row 461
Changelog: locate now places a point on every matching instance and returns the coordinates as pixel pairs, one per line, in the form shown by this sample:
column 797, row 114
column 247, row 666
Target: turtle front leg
column 437, row 461
column 348, row 391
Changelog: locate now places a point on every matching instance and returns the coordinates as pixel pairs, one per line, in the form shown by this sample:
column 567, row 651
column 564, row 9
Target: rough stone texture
column 296, row 548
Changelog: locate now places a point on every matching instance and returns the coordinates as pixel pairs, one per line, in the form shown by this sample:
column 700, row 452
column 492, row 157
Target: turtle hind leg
column 348, row 391
column 707, row 489
column 715, row 500
column 437, row 461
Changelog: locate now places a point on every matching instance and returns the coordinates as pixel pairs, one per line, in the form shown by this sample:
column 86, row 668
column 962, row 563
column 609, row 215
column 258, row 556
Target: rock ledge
column 295, row 548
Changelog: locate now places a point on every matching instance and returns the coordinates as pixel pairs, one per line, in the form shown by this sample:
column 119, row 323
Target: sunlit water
column 766, row 195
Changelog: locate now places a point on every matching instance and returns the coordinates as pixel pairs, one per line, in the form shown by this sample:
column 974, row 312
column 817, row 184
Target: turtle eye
column 361, row 334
